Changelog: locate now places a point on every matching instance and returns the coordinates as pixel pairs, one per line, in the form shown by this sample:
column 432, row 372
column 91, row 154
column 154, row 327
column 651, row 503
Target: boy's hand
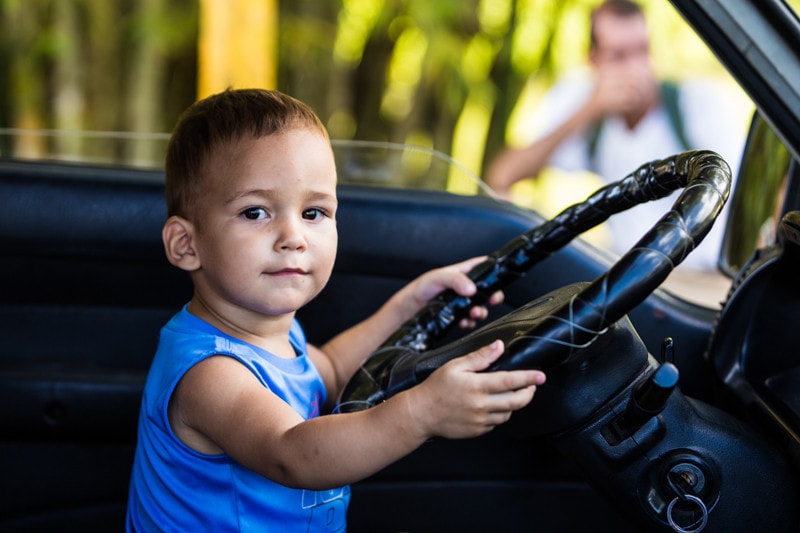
column 460, row 401
column 454, row 277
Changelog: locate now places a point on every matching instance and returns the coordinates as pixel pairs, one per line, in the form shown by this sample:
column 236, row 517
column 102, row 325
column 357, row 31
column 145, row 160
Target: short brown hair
column 222, row 118
column 618, row 8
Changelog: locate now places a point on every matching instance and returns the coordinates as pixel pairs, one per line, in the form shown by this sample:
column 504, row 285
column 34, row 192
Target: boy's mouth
column 289, row 272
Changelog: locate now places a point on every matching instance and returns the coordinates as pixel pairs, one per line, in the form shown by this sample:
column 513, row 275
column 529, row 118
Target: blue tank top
column 174, row 488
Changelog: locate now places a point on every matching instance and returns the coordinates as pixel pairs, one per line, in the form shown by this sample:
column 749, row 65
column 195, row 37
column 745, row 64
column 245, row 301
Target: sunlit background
column 459, row 76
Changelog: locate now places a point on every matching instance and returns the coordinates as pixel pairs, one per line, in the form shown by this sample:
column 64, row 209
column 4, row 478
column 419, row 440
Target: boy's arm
column 338, row 359
column 219, row 405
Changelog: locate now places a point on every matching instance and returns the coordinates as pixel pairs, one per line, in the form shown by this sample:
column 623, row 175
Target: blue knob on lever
column 651, row 396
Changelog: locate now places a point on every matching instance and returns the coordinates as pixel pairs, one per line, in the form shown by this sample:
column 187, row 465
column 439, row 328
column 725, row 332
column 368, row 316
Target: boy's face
column 265, row 228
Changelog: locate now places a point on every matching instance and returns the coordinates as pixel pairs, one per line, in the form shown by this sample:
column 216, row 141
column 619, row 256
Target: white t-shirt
column 709, row 122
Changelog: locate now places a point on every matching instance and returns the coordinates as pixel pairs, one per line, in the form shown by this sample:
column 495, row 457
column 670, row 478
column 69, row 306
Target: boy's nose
column 291, row 236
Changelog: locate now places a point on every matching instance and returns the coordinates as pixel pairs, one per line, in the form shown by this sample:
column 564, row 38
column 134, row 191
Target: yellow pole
column 237, row 45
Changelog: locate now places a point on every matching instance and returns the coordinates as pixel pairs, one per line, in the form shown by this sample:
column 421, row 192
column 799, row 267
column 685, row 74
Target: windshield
column 415, row 94
column 106, row 82
column 371, row 163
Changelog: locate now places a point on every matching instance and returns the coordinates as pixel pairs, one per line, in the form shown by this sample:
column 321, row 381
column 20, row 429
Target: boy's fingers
column 501, row 381
column 510, row 381
column 482, row 358
column 469, row 264
column 497, row 298
column 513, row 399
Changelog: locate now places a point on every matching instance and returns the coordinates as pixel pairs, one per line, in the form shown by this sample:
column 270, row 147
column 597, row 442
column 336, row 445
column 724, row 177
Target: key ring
column 703, row 519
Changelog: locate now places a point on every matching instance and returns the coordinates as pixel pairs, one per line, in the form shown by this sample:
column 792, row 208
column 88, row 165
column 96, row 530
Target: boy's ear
column 178, row 237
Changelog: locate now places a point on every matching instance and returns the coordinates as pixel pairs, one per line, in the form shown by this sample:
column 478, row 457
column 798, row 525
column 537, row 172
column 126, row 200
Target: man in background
column 619, row 117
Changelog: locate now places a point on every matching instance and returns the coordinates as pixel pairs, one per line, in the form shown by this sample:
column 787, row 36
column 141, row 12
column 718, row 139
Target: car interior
column 91, row 289
column 676, row 417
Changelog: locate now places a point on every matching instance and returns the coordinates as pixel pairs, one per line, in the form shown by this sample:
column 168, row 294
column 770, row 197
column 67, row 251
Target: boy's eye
column 254, row 213
column 313, row 214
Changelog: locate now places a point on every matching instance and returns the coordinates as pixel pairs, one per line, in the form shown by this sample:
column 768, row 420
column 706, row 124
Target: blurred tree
column 237, row 41
column 96, row 65
column 526, row 50
column 307, row 65
column 457, row 76
column 22, row 61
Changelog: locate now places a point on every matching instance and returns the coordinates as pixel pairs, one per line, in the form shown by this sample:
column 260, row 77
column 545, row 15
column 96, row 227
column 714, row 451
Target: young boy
column 230, row 432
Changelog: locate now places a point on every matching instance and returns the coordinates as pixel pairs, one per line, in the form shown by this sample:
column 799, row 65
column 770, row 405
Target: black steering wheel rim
column 404, row 359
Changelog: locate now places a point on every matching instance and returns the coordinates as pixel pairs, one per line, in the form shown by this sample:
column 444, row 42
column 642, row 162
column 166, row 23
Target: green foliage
column 418, row 71
column 446, row 74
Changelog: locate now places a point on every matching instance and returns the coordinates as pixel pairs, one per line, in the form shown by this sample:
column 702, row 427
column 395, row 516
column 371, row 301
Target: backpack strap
column 593, row 135
column 670, row 96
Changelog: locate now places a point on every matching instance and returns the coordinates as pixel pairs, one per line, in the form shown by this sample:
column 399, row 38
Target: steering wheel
column 548, row 331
